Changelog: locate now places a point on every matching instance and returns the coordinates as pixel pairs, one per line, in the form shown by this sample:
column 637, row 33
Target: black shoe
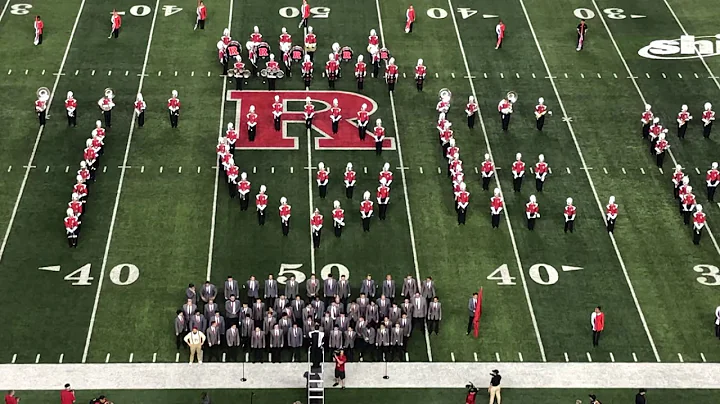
column 335, row 384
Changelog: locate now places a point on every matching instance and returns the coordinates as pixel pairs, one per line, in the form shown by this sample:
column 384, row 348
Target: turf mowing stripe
column 497, row 184
column 118, row 194
column 697, row 52
column 642, row 97
column 592, row 184
column 404, row 182
column 39, row 135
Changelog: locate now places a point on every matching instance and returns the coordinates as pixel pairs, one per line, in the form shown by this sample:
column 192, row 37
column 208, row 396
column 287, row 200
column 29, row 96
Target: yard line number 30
column 611, row 13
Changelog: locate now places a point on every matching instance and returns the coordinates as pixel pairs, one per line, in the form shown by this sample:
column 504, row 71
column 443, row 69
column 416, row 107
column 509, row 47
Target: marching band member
column 457, row 179
column 443, row 106
column 442, row 122
column 655, row 130
column 518, row 171
column 71, row 108
column 471, row 110
column 532, row 211
column 232, row 173
column 541, row 172
column 221, row 47
column 272, row 68
column 688, row 204
column 261, row 201
column 335, row 116
column 231, row 136
column 222, row 147
column 201, row 13
column 647, row 119
column 71, row 227
column 360, row 72
column 251, row 123
column 462, row 199
column 445, row 135
column 682, row 119
column 97, row 143
column 305, row 13
column 682, row 190
column 455, row 165
column 386, row 174
column 540, row 111
column 106, row 104
column 174, row 109
column 226, row 160
column 708, row 116
column 338, row 215
column 362, row 121
column 225, row 38
column 611, row 213
column 581, row 32
column 505, row 108
column 373, row 40
column 310, row 43
column 76, row 205
column 409, row 19
column 661, row 147
column 285, row 211
column 366, row 211
column 90, row 156
column 712, row 178
column 39, row 26
column 322, row 177
column 98, row 131
column 239, row 67
column 349, row 179
column 41, row 107
column 451, row 151
column 420, row 73
column 698, row 224
column 83, row 172
column 500, row 32
column 80, row 188
column 316, row 224
column 378, row 134
column 115, row 23
column 307, row 71
column 277, row 110
column 383, row 197
column 391, row 74
column 677, row 179
column 570, row 212
column 487, row 171
column 256, row 36
column 243, row 189
column 309, row 113
column 496, row 207
column 336, row 51
column 139, row 107
column 285, row 41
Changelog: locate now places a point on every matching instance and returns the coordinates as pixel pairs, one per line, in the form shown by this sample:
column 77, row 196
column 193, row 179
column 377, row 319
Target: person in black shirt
column 494, row 388
column 581, row 30
column 640, row 397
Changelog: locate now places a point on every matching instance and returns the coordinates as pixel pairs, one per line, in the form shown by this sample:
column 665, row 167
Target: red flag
column 478, row 314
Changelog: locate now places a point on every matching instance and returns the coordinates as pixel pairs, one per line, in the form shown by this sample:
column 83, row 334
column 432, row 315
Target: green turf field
column 158, row 218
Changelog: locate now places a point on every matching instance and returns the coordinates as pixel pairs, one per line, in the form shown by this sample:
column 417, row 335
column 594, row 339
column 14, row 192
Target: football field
column 159, row 215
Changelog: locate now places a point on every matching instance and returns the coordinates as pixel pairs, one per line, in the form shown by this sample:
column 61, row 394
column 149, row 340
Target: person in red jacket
column 597, row 320
column 10, row 398
column 115, row 22
column 39, row 26
column 201, row 15
column 67, row 396
column 316, row 224
column 409, row 19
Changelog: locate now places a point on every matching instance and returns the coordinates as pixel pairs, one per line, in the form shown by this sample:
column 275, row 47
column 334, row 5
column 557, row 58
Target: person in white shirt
column 195, row 341
column 717, row 322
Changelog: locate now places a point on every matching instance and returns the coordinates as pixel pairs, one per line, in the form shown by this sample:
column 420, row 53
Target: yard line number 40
column 121, row 275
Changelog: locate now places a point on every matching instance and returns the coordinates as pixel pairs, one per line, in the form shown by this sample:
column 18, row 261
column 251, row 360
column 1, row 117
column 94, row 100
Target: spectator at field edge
column 10, row 398
column 640, row 397
column 195, row 341
column 717, row 322
column 101, row 400
column 597, row 320
column 67, row 396
column 494, row 388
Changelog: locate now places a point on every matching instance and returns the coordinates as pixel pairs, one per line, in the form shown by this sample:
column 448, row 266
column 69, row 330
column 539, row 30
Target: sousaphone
column 445, row 94
column 512, row 96
column 109, row 93
column 43, row 93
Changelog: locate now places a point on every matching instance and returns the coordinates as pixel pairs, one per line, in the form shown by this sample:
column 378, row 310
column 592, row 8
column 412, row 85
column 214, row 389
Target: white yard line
column 101, row 277
column 497, row 183
column 367, row 375
column 404, row 180
column 592, row 185
column 644, row 101
column 310, row 198
column 40, row 132
column 7, row 3
column 702, row 59
column 211, row 245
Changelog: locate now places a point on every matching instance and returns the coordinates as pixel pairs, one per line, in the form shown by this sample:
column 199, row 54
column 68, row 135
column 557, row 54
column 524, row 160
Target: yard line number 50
column 315, row 12
column 121, row 275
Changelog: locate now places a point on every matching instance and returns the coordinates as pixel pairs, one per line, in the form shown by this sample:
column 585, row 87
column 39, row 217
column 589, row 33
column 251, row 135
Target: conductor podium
column 316, row 356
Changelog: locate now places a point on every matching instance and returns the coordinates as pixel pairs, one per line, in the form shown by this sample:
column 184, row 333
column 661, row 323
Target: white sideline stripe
column 592, row 185
column 39, row 134
column 211, row 245
column 642, row 97
column 497, row 183
column 404, row 179
column 165, row 376
column 119, row 192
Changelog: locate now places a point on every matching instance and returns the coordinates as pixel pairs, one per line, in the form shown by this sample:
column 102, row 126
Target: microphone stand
column 386, row 371
column 243, row 379
column 252, row 393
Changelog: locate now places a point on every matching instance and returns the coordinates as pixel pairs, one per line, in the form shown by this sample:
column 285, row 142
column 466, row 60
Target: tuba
column 43, row 94
column 445, row 95
column 512, row 96
column 109, row 93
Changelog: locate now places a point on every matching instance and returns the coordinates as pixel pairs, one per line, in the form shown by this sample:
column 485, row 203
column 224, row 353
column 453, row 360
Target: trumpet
column 43, row 93
column 512, row 96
